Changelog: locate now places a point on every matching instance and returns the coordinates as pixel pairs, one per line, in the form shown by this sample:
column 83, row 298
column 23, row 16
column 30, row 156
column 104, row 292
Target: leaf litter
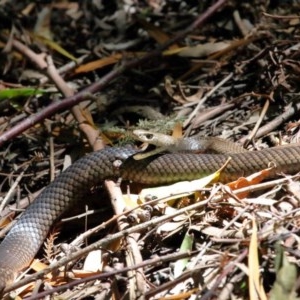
column 238, row 241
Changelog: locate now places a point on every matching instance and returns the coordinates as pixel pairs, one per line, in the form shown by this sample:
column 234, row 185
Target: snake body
column 27, row 235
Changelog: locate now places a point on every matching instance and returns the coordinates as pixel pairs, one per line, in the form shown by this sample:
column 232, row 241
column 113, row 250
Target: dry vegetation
column 79, row 76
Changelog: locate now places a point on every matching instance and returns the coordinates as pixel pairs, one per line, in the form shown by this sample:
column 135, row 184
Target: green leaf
column 186, row 245
column 286, row 276
column 19, row 92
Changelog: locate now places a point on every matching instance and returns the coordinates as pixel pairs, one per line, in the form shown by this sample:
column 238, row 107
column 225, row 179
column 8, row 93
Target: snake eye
column 149, row 136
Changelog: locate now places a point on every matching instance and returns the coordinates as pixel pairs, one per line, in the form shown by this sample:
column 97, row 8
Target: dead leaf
column 170, row 227
column 248, row 181
column 202, row 50
column 179, row 189
column 177, row 131
column 42, row 25
column 156, row 33
column 256, row 290
column 93, row 261
column 98, row 64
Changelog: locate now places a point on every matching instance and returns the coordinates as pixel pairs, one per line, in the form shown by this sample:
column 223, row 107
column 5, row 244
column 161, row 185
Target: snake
column 195, row 144
column 27, row 235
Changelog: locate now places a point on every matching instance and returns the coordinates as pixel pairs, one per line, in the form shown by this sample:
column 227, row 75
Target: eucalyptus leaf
column 19, row 92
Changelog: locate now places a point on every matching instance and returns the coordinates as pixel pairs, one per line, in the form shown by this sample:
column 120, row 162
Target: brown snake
column 27, row 235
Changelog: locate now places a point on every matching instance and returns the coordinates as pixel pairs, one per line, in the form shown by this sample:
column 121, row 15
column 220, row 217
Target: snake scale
column 27, row 235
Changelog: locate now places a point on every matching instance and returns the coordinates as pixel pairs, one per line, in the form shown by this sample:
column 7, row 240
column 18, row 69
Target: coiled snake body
column 25, row 238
